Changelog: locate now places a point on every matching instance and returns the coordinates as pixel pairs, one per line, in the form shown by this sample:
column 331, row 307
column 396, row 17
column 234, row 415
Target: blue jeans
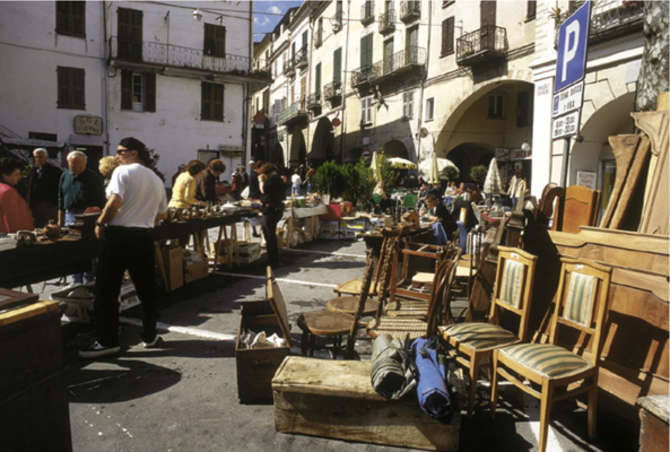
column 78, row 278
column 440, row 234
column 462, row 235
column 295, row 189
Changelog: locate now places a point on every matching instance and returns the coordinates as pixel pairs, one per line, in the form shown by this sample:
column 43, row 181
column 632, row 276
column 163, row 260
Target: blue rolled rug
column 431, row 390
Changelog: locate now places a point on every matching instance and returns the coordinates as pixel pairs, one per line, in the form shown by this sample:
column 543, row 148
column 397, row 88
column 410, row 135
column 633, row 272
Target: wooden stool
column 348, row 305
column 326, row 324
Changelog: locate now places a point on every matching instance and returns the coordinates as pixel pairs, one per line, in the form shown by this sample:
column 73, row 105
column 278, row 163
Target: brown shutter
column 126, row 90
column 487, row 13
column 447, row 36
column 218, row 102
column 204, row 101
column 209, row 39
column 62, row 87
column 150, row 91
column 79, row 18
column 532, row 9
column 79, row 88
column 61, row 17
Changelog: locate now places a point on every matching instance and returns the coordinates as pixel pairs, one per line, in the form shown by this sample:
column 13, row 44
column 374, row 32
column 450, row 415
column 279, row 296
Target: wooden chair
column 555, row 372
column 580, row 208
column 472, row 343
column 353, row 286
column 401, row 327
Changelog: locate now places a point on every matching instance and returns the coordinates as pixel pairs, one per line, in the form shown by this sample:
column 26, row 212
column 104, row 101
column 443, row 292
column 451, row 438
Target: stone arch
column 395, row 148
column 323, row 143
column 467, row 155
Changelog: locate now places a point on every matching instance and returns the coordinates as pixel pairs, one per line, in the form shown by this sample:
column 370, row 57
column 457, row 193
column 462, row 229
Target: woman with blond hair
column 185, row 186
column 106, row 166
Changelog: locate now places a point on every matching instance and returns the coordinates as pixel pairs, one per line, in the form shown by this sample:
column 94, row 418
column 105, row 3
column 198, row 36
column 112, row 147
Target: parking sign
column 573, row 36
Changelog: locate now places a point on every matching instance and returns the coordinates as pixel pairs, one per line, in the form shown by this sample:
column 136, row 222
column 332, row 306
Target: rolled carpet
column 431, row 390
column 392, row 374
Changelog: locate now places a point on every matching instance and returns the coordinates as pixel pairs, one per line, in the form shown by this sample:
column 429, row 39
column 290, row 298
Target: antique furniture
column 335, row 399
column 472, row 343
column 654, row 413
column 580, row 207
column 255, row 367
column 33, row 397
column 555, row 372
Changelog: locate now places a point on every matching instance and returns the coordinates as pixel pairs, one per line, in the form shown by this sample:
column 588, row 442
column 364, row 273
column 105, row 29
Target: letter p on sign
column 571, row 52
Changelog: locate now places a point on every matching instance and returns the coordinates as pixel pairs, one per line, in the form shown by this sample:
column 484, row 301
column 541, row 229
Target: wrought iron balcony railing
column 399, row 63
column 367, row 12
column 300, row 58
column 289, row 68
column 163, row 54
column 364, row 75
column 487, row 43
column 387, row 22
column 617, row 21
column 332, row 90
column 410, row 10
column 293, row 112
column 314, row 101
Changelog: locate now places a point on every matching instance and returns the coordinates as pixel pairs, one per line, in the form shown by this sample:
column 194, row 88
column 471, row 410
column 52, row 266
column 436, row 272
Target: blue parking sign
column 573, row 37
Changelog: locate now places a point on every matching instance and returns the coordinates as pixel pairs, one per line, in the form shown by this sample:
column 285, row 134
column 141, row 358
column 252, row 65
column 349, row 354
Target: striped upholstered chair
column 472, row 343
column 555, row 372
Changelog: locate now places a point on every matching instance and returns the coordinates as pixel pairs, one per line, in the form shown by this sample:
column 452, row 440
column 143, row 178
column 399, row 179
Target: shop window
column 430, row 108
column 496, row 107
column 71, row 19
column 138, row 91
column 215, row 40
column 408, row 105
column 71, row 88
column 211, row 102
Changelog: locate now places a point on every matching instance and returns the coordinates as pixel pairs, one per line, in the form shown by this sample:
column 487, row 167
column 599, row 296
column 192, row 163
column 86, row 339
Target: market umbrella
column 493, row 184
column 375, row 164
column 426, row 167
column 401, row 163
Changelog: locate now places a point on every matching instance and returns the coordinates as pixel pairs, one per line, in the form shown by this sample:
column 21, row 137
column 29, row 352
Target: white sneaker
column 151, row 343
column 97, row 350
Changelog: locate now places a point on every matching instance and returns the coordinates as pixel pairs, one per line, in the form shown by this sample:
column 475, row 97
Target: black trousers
column 123, row 249
column 270, row 220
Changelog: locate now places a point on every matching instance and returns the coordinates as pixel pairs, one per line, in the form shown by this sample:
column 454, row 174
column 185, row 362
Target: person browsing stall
column 272, row 198
column 14, row 211
column 215, row 169
column 443, row 223
column 43, row 198
column 186, row 186
column 136, row 201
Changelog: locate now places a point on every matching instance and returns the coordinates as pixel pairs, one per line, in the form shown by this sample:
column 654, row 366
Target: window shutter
column 204, row 101
column 79, row 18
column 62, row 87
column 532, row 9
column 317, row 80
column 364, row 52
column 209, row 40
column 79, row 80
column 61, row 17
column 218, row 102
column 150, row 91
column 448, row 36
column 337, row 65
column 126, row 90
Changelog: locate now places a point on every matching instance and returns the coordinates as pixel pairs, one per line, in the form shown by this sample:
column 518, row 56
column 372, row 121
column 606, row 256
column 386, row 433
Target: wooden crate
column 256, row 367
column 335, row 399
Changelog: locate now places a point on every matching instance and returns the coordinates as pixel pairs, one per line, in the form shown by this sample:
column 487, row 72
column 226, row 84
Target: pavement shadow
column 481, row 433
column 185, row 349
column 117, row 380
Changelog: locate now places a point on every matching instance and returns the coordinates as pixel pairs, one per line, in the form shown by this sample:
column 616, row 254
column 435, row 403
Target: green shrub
column 389, row 175
column 478, row 173
column 359, row 182
column 450, row 173
column 329, row 178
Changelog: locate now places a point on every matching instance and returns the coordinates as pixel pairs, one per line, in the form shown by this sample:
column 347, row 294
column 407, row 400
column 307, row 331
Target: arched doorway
column 591, row 160
column 298, row 149
column 395, row 148
column 467, row 155
column 323, row 143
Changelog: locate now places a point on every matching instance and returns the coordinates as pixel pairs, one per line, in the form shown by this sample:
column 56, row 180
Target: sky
column 267, row 13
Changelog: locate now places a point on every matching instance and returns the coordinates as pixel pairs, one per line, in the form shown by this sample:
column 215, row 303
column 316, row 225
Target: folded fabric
column 392, row 374
column 432, row 393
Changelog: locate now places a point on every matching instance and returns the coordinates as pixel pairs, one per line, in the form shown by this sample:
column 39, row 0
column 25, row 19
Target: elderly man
column 79, row 189
column 43, row 194
column 135, row 202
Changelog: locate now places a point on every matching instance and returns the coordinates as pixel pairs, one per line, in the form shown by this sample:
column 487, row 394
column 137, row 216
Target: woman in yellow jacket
column 186, row 186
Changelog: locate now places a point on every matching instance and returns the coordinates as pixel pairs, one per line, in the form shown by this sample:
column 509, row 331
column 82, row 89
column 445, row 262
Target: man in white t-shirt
column 295, row 184
column 135, row 202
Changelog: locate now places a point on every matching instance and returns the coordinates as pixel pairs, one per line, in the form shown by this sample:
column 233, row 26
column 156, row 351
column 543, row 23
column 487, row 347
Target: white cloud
column 274, row 9
column 260, row 21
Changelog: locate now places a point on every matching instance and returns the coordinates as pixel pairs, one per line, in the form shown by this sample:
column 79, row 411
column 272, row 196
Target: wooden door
column 487, row 24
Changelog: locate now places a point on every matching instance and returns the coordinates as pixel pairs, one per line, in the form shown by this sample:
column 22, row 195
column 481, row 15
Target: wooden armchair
column 472, row 343
column 555, row 372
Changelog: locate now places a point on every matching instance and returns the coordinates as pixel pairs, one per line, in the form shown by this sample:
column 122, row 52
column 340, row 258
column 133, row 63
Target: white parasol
column 493, row 184
column 400, row 163
column 426, row 168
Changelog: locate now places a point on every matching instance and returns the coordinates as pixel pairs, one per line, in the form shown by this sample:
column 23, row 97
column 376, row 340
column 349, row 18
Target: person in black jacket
column 43, row 197
column 272, row 198
column 444, row 224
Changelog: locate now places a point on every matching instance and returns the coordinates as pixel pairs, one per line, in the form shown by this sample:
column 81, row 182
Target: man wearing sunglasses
column 135, row 202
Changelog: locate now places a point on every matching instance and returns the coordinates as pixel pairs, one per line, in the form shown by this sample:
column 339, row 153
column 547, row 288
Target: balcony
column 400, row 65
column 485, row 45
column 301, row 58
column 332, row 92
column 289, row 68
column 124, row 52
column 615, row 22
column 410, row 11
column 367, row 13
column 387, row 22
column 293, row 114
column 314, row 103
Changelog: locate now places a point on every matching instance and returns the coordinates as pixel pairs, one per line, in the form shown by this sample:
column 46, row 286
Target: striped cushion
column 510, row 287
column 478, row 335
column 579, row 299
column 546, row 359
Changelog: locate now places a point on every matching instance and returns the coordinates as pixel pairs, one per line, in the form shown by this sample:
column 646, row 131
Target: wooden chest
column 335, row 399
column 256, row 367
column 32, row 386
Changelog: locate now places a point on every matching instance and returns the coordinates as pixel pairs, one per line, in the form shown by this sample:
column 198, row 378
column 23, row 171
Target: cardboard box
column 174, row 267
